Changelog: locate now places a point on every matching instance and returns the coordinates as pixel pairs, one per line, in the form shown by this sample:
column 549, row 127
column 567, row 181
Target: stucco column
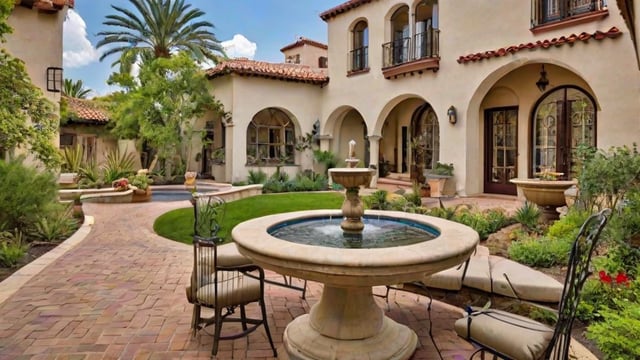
column 374, row 153
column 230, row 156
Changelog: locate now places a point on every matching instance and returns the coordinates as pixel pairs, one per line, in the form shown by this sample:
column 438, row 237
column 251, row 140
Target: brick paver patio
column 119, row 294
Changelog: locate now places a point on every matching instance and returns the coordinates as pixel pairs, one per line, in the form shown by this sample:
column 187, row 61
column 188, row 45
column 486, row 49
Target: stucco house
column 499, row 91
column 86, row 125
column 37, row 40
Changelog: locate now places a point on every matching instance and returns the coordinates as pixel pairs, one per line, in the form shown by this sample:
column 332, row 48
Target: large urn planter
column 547, row 194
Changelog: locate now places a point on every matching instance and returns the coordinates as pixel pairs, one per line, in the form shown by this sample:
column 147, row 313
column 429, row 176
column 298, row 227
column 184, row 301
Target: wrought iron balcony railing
column 422, row 45
column 359, row 59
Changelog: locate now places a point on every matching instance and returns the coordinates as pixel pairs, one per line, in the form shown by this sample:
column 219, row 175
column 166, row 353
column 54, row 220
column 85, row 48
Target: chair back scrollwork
column 577, row 273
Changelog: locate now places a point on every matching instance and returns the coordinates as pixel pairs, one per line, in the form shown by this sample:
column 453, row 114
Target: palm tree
column 159, row 28
column 75, row 89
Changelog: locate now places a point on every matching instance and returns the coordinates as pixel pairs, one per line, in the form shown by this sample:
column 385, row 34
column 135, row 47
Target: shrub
column 619, row 316
column 541, row 252
column 55, row 226
column 569, row 225
column 256, row 177
column 377, row 200
column 12, row 248
column 24, row 194
column 528, row 215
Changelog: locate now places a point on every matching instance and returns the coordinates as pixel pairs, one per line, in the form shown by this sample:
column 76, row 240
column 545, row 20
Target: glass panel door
column 501, row 150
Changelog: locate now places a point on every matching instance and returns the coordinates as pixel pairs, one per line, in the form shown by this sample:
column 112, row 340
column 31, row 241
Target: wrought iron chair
column 228, row 253
column 223, row 287
column 511, row 336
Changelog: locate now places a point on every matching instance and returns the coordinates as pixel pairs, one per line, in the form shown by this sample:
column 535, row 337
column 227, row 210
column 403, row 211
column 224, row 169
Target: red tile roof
column 304, row 41
column 279, row 71
column 614, row 32
column 342, row 8
column 86, row 111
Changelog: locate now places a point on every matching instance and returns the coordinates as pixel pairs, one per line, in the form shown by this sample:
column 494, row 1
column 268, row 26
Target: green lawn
column 178, row 224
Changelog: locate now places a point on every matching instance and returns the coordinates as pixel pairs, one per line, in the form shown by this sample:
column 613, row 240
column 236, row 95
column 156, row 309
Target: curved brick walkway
column 119, row 294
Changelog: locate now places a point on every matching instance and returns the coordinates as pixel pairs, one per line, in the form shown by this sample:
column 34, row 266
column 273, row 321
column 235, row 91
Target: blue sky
column 256, row 29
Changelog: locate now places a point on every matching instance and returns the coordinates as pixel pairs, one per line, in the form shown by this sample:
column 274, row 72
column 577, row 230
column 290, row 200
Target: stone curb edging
column 14, row 282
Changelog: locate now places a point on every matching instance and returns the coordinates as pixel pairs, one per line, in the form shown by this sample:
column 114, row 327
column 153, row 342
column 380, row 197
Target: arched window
column 563, row 119
column 270, row 138
column 400, row 35
column 360, row 49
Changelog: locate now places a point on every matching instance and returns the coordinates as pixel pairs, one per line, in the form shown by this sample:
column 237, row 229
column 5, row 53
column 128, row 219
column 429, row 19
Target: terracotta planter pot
column 140, row 195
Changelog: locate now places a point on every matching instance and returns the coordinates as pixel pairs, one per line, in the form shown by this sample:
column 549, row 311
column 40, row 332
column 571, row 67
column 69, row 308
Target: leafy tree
column 27, row 118
column 161, row 108
column 75, row 89
column 158, row 28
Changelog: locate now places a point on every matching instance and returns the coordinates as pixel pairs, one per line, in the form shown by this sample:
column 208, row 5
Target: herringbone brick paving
column 120, row 294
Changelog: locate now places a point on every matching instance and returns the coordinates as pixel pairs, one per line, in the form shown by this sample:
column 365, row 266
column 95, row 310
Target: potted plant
column 140, row 183
column 437, row 178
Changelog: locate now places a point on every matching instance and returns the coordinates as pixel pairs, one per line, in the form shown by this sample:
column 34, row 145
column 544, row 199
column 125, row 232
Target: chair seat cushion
column 228, row 255
column 233, row 289
column 512, row 335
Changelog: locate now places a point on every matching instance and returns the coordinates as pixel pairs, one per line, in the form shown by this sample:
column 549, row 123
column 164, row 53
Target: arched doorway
column 562, row 120
column 425, row 141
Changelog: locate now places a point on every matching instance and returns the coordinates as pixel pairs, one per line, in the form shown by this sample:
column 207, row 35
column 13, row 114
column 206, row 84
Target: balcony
column 554, row 14
column 411, row 54
column 358, row 60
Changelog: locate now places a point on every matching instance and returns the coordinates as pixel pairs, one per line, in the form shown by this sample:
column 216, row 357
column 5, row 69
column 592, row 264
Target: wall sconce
column 543, row 81
column 54, row 79
column 451, row 113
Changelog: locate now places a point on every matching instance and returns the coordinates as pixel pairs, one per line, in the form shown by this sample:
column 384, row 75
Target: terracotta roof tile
column 86, row 111
column 278, row 71
column 304, row 41
column 342, row 8
column 614, row 32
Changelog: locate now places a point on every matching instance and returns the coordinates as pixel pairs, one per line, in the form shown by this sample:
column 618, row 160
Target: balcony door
column 501, row 150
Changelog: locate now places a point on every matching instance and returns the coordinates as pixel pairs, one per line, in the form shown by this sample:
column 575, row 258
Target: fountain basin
column 347, row 323
column 351, row 177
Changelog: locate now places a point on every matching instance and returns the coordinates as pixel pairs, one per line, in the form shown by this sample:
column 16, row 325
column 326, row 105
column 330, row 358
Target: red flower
column 622, row 278
column 604, row 277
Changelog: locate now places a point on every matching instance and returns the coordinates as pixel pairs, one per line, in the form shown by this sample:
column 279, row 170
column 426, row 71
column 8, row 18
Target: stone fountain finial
column 351, row 157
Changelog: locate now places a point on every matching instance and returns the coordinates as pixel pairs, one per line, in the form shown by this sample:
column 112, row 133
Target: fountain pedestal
column 360, row 332
column 352, row 208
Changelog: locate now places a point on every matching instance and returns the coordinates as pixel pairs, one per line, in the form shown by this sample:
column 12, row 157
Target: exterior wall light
column 451, row 113
column 54, row 79
column 543, row 81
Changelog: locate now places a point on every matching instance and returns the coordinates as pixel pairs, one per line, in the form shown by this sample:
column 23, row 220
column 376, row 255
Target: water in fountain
column 379, row 232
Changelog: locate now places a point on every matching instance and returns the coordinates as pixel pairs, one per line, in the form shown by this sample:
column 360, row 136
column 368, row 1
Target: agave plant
column 117, row 166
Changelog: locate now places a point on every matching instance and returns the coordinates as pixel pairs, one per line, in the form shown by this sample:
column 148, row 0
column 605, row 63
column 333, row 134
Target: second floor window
column 359, row 56
column 547, row 11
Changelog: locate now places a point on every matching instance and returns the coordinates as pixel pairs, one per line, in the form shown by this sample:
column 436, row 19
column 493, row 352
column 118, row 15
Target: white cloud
column 239, row 46
column 78, row 50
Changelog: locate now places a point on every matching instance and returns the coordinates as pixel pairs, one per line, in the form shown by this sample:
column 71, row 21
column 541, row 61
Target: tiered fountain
column 347, row 323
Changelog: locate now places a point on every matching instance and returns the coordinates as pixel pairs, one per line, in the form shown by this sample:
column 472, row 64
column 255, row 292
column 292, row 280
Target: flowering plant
column 121, row 184
column 620, row 279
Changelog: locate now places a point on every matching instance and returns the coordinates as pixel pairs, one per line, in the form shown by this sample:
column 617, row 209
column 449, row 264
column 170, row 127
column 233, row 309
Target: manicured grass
column 178, row 224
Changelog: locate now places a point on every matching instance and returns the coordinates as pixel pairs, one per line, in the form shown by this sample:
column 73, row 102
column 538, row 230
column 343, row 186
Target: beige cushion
column 233, row 289
column 228, row 255
column 449, row 279
column 529, row 284
column 479, row 273
column 515, row 336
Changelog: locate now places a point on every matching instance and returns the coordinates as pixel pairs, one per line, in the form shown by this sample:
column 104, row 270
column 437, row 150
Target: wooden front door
column 501, row 150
